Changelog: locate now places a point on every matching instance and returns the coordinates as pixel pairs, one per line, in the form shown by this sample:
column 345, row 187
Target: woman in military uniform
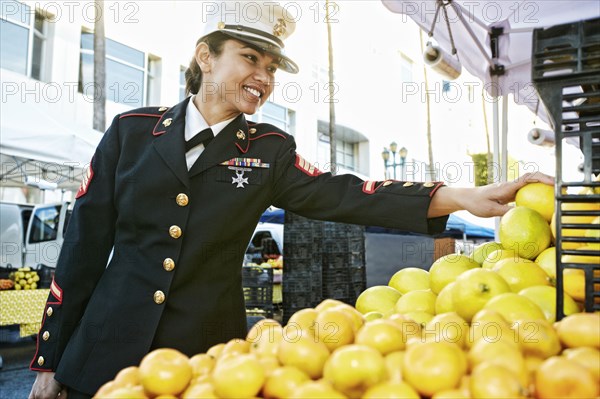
column 154, row 247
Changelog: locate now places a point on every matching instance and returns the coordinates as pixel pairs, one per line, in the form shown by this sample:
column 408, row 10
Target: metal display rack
column 566, row 74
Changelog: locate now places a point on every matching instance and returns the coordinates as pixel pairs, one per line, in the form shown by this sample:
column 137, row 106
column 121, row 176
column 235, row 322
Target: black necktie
column 203, row 137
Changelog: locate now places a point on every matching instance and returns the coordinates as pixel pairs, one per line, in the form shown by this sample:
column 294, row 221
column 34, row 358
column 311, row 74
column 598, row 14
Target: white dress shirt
column 194, row 124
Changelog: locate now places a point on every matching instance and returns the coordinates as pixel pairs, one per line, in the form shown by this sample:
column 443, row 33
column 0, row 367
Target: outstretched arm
column 485, row 201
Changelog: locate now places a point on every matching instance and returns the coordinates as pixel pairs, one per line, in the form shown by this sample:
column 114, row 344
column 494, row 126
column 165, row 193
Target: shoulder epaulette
column 152, row 112
column 260, row 130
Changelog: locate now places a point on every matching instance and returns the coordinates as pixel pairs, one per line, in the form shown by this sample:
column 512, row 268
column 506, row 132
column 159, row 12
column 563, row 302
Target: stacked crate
column 566, row 73
column 321, row 260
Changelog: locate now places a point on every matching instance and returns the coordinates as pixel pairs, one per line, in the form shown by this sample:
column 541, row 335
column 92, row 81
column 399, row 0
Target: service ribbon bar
column 247, row 162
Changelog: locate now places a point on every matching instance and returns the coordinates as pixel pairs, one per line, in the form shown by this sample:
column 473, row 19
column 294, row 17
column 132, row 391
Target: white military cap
column 262, row 24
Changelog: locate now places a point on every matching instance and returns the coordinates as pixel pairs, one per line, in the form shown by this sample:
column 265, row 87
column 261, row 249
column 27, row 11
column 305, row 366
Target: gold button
column 175, row 231
column 167, row 122
column 49, row 311
column 428, row 184
column 182, row 199
column 240, row 135
column 46, row 336
column 162, row 109
column 168, row 264
column 159, row 297
column 387, row 183
column 252, row 130
column 408, row 184
column 40, row 360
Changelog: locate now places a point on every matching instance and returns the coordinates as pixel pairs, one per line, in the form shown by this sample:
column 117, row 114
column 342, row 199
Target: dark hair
column 193, row 75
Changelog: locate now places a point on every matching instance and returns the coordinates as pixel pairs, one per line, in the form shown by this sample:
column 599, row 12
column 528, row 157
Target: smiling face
column 239, row 80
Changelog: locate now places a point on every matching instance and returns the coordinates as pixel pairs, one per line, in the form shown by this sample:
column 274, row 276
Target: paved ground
column 15, row 377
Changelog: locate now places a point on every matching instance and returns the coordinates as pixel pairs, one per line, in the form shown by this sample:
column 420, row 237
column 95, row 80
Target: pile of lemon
column 478, row 326
column 24, row 278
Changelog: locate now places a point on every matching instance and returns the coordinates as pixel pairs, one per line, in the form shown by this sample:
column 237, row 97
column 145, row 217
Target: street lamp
column 385, row 154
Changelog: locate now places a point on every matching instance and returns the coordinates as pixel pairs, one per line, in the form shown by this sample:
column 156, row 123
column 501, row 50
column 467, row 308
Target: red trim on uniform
column 85, row 182
column 440, row 184
column 370, row 186
column 56, row 291
column 126, row 115
column 306, row 167
column 243, row 150
column 37, row 342
column 268, row 134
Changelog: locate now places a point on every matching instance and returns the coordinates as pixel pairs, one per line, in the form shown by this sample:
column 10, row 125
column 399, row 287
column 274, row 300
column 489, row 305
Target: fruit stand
column 24, row 307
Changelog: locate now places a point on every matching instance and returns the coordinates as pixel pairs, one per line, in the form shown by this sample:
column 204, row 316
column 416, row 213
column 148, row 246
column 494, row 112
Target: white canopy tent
column 494, row 43
column 38, row 150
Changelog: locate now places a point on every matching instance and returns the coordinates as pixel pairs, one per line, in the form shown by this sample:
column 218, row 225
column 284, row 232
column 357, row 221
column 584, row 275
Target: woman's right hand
column 46, row 387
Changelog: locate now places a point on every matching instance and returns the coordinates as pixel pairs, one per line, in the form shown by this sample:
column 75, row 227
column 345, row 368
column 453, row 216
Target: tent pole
column 504, row 157
column 496, row 132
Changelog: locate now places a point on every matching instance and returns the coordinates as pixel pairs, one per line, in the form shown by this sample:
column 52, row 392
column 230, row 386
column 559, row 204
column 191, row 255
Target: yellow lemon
column 379, row 298
column 370, row 316
column 521, row 273
column 283, row 381
column 383, row 335
column 483, row 250
column 474, row 288
column 587, row 357
column 328, row 303
column 303, row 319
column 320, row 389
column 352, row 369
column 393, row 364
column 492, row 326
column 410, row 279
column 334, row 328
column 447, row 327
column 501, row 353
column 547, row 261
column 416, row 301
column 515, row 307
column 537, row 196
column 304, row 352
column 391, row 390
column 445, row 270
column 443, row 302
column 490, row 380
column 421, row 318
column 545, row 297
column 202, row 364
column 559, row 377
column 525, row 231
column 537, row 338
column 580, row 329
column 165, row 371
column 240, row 376
column 496, row 256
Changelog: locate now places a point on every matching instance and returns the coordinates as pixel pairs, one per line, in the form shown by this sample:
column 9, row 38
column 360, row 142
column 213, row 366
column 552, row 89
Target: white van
column 32, row 235
column 267, row 241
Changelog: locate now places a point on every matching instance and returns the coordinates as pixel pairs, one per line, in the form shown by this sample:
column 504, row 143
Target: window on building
column 153, row 80
column 345, row 151
column 127, row 71
column 23, row 39
column 182, row 95
column 276, row 115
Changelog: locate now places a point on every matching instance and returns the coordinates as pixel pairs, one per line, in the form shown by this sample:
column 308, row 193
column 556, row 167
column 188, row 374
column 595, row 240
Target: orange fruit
column 521, row 273
column 502, row 353
column 165, row 371
column 379, row 298
column 525, row 231
column 490, row 380
column 559, row 377
column 447, row 327
column 431, row 367
column 410, row 279
column 241, row 376
column 305, row 353
column 202, row 364
column 352, row 369
column 580, row 329
column 283, row 381
column 334, row 328
column 445, row 270
column 393, row 364
column 383, row 335
column 537, row 196
column 391, row 390
column 587, row 357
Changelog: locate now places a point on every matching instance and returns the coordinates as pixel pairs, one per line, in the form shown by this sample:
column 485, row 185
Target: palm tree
column 99, row 68
column 430, row 173
column 332, row 143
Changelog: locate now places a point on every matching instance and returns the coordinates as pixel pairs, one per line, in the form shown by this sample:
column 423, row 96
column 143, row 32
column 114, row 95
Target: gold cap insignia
column 280, row 27
column 167, row 122
column 221, row 25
